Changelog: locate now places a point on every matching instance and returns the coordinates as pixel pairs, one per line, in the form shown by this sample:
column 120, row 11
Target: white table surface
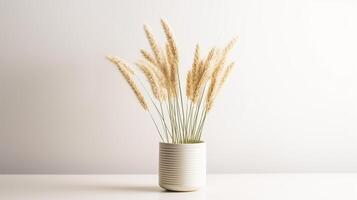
column 142, row 187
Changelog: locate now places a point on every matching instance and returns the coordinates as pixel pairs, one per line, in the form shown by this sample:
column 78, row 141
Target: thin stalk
column 183, row 113
column 202, row 121
column 167, row 133
column 173, row 121
column 195, row 118
column 195, row 125
column 174, row 112
column 176, row 122
column 157, row 128
column 152, row 101
column 190, row 121
column 167, row 104
column 186, row 120
column 179, row 117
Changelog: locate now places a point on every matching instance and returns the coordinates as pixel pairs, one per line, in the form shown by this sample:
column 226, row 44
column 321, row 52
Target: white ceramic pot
column 182, row 167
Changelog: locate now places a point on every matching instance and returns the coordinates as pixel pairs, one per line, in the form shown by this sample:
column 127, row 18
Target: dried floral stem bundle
column 180, row 119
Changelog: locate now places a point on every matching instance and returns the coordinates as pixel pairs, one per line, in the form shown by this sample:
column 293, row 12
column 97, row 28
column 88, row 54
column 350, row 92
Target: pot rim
column 198, row 143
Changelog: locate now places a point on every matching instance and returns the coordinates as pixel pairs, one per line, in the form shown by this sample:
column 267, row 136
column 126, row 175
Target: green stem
column 199, row 133
column 152, row 101
column 167, row 132
column 195, row 125
column 190, row 122
column 183, row 113
column 179, row 118
column 157, row 128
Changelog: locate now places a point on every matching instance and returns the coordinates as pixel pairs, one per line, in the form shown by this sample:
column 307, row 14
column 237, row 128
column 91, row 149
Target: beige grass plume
column 172, row 57
column 225, row 75
column 173, row 70
column 158, row 59
column 223, row 56
column 196, row 60
column 148, row 57
column 200, row 86
column 215, row 85
column 207, row 62
column 202, row 75
column 191, row 78
column 118, row 61
column 189, row 89
column 210, row 94
column 126, row 72
column 159, row 77
column 153, row 45
column 170, row 39
column 150, row 77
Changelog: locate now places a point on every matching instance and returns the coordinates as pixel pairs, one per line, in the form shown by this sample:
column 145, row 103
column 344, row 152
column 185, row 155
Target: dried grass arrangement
column 180, row 118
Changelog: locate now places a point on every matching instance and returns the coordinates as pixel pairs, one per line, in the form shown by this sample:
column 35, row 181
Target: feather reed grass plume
column 225, row 75
column 154, row 45
column 210, row 94
column 196, row 60
column 172, row 65
column 148, row 57
column 207, row 62
column 202, row 75
column 158, row 76
column 117, row 61
column 178, row 121
column 170, row 39
column 158, row 60
column 224, row 55
column 154, row 84
column 125, row 71
column 215, row 85
column 189, row 89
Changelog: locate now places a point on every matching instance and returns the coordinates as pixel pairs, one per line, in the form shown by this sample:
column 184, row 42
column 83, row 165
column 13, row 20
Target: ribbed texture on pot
column 182, row 167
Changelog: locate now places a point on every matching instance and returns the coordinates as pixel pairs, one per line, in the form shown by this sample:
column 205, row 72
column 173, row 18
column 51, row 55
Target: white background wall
column 290, row 105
